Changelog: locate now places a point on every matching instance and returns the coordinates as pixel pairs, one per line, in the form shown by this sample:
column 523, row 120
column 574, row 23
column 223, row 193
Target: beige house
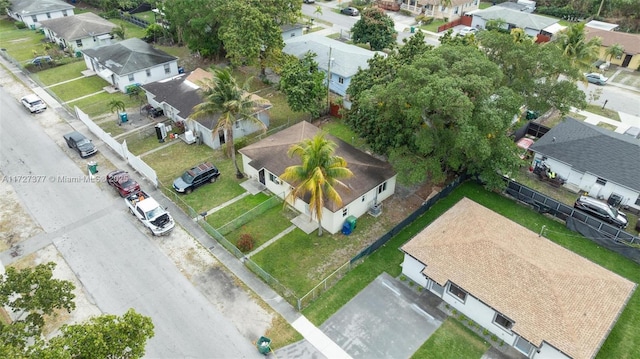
column 630, row 43
column 539, row 297
column 435, row 8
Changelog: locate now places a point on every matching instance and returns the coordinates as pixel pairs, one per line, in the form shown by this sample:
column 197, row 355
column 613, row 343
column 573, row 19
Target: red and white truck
column 150, row 213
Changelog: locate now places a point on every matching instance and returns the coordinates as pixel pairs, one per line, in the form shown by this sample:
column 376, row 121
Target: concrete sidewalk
column 626, row 120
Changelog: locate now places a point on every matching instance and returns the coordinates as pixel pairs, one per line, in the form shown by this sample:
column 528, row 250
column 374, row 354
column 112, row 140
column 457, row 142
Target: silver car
column 596, row 78
column 602, row 211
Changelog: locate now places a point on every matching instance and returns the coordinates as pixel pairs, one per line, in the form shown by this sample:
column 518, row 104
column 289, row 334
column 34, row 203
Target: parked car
column 596, row 78
column 122, row 182
column 39, row 60
column 196, row 177
column 601, row 210
column 309, row 1
column 467, row 30
column 80, row 143
column 351, row 11
column 33, row 103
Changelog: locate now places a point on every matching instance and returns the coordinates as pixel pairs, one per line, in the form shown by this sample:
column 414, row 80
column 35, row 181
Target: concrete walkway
column 64, row 82
column 83, row 97
column 269, row 242
column 626, row 120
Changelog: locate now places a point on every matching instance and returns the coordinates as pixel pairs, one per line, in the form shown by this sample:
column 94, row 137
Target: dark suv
column 195, row 177
column 78, row 142
column 601, row 210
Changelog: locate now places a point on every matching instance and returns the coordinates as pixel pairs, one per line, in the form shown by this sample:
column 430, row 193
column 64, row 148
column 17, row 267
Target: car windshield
column 187, row 178
column 154, row 213
column 614, row 211
column 36, row 102
column 83, row 141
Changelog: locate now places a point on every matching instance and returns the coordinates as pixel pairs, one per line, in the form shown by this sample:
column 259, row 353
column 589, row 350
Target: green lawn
column 338, row 129
column 97, row 104
column 61, row 73
column 139, row 143
column 483, row 5
column 181, row 52
column 452, row 341
column 265, row 226
column 148, row 16
column 22, row 45
column 131, row 30
column 78, row 88
column 229, row 213
column 598, row 110
column 433, row 27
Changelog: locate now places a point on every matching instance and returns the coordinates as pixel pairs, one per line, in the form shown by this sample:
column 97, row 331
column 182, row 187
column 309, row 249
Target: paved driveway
column 385, row 320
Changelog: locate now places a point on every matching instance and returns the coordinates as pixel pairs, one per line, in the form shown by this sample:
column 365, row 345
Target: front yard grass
column 21, row 44
column 61, row 73
column 131, row 30
column 265, row 226
column 598, row 110
column 340, row 130
column 452, row 340
column 229, row 213
column 97, row 104
column 433, row 26
column 78, row 88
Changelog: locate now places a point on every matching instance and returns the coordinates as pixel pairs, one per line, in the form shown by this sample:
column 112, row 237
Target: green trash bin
column 264, row 345
column 124, row 117
column 93, row 167
column 413, row 29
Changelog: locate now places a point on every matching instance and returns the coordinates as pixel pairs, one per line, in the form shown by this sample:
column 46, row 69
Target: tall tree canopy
column 303, row 84
column 375, row 28
column 318, row 175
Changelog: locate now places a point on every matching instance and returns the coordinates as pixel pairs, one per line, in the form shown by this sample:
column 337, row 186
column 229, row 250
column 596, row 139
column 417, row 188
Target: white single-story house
column 292, row 30
column 130, row 62
column 77, row 32
column 373, row 180
column 341, row 60
column 593, row 159
column 179, row 94
column 537, row 296
column 436, row 9
column 532, row 24
column 31, row 12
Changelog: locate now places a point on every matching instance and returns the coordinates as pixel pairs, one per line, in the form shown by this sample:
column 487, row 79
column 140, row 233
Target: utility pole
column 329, row 81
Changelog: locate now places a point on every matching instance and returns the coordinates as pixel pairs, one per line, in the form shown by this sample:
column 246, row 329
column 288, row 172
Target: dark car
column 351, row 11
column 195, row 177
column 80, row 143
column 122, row 182
column 601, row 210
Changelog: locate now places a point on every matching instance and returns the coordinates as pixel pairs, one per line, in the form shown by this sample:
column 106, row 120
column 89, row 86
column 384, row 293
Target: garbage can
column 124, row 117
column 264, row 345
column 93, row 167
column 413, row 29
column 349, row 225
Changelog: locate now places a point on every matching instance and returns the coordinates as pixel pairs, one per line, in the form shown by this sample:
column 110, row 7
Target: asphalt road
column 118, row 264
column 618, row 99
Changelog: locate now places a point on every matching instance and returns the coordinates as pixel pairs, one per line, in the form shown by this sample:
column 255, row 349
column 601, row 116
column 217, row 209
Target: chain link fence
column 250, row 215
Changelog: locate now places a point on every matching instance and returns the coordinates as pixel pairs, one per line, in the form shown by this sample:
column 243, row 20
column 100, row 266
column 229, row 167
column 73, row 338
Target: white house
column 291, row 30
column 341, row 60
column 78, row 32
column 542, row 299
column 31, row 12
column 436, row 8
column 130, row 62
column 373, row 180
column 179, row 94
column 593, row 159
column 532, row 24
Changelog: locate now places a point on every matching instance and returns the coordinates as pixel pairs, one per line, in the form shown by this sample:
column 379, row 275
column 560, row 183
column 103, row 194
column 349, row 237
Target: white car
column 467, row 30
column 33, row 103
column 596, row 78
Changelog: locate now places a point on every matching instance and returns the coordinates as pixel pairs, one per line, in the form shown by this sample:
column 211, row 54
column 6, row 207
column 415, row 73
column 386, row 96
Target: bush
column 405, row 12
column 245, row 243
column 20, row 25
column 425, row 20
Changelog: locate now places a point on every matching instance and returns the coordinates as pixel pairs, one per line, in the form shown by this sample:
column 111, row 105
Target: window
column 78, row 43
column 167, row 68
column 340, row 80
column 237, row 124
column 457, row 292
column 442, row 8
column 34, row 18
column 638, row 201
column 502, row 321
column 363, row 198
column 601, row 181
column 455, row 11
column 382, row 187
column 475, row 2
column 48, row 15
column 148, row 71
column 130, row 77
column 64, row 12
column 345, row 211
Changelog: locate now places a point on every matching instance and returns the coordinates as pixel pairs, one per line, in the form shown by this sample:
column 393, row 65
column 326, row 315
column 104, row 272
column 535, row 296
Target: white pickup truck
column 150, row 213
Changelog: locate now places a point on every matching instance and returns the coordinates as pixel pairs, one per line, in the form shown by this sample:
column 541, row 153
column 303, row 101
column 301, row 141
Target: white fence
column 121, row 149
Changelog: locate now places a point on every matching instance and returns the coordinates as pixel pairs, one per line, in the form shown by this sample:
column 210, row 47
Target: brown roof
column 196, row 76
column 271, row 154
column 551, row 293
column 630, row 42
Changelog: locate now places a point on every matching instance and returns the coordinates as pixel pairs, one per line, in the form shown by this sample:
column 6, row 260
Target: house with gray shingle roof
column 179, row 94
column 535, row 295
column 531, row 24
column 83, row 31
column 373, row 180
column 130, row 62
column 593, row 159
column 340, row 59
column 31, row 12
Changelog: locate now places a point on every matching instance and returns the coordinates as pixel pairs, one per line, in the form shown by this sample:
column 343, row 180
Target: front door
column 627, row 60
column 221, row 136
column 261, row 176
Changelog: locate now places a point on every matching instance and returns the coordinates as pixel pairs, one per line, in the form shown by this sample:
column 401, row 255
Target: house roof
column 550, row 293
column 589, row 148
column 79, row 26
column 518, row 18
column 601, row 25
column 630, row 42
column 346, row 58
column 182, row 92
column 439, row 2
column 129, row 56
column 271, row 154
column 33, row 7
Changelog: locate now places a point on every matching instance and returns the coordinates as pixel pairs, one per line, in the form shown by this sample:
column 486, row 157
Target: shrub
column 20, row 25
column 494, row 338
column 425, row 20
column 485, row 332
column 245, row 243
column 405, row 12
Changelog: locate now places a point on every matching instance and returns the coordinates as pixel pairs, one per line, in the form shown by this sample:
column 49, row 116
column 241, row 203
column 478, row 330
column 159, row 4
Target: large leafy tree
column 303, row 84
column 375, row 28
column 222, row 96
column 575, row 46
column 318, row 175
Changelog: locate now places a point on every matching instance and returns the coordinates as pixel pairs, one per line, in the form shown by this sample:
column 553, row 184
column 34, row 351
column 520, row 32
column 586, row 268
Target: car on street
column 196, row 177
column 122, row 182
column 33, row 103
column 467, row 30
column 596, row 78
column 80, row 143
column 351, row 11
column 601, row 210
column 309, row 1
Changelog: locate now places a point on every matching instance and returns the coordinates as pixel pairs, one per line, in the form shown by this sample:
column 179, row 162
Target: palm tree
column 116, row 106
column 222, row 96
column 318, row 174
column 575, row 46
column 615, row 50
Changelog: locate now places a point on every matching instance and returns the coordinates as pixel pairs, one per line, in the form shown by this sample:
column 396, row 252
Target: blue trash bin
column 123, row 117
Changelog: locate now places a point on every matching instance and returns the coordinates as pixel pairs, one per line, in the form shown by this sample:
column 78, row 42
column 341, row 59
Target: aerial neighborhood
column 320, row 179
